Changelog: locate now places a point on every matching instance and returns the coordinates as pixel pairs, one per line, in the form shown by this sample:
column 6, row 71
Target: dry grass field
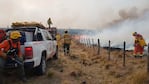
column 85, row 66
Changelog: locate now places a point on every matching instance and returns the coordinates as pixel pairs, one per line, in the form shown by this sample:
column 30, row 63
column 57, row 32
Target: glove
column 21, row 58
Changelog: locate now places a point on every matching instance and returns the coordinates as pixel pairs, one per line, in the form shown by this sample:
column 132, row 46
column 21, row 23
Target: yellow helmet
column 134, row 33
column 15, row 35
column 66, row 31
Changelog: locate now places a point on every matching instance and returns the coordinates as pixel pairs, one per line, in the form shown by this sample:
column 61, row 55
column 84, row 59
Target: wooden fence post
column 148, row 59
column 89, row 43
column 93, row 43
column 109, row 50
column 98, row 46
column 124, row 54
column 82, row 41
column 85, row 42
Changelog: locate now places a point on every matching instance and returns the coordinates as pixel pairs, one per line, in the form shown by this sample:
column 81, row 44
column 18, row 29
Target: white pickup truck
column 37, row 46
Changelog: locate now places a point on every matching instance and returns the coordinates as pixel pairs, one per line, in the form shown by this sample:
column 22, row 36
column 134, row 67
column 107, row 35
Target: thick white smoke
column 117, row 18
column 122, row 31
column 89, row 14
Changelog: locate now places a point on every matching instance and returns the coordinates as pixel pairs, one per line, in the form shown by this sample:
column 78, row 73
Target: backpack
column 12, row 51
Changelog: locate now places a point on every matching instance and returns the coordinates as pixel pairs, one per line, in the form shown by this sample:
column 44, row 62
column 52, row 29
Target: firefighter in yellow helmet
column 139, row 44
column 67, row 42
column 10, row 54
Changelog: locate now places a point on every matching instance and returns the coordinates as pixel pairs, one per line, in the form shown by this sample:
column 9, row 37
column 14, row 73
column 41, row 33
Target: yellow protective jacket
column 140, row 40
column 58, row 38
column 67, row 38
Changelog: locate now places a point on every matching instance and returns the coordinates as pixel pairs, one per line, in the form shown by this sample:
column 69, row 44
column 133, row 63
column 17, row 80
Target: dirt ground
column 85, row 66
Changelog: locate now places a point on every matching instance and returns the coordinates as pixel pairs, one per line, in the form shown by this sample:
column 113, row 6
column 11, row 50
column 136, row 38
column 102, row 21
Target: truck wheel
column 55, row 57
column 41, row 69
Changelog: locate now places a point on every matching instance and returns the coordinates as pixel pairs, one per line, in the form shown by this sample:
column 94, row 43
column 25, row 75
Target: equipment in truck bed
column 27, row 24
column 18, row 25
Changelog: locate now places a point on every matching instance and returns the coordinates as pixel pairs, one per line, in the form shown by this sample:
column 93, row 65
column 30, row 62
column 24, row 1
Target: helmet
column 15, row 35
column 134, row 33
column 66, row 31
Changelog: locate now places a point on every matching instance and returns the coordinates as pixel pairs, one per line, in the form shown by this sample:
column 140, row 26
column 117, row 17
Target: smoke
column 132, row 13
column 89, row 14
column 113, row 20
column 122, row 30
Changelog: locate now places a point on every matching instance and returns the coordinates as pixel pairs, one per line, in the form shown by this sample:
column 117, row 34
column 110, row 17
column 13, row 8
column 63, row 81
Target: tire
column 55, row 57
column 41, row 69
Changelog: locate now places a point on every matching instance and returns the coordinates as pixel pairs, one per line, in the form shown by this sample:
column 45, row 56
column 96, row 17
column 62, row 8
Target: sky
column 83, row 14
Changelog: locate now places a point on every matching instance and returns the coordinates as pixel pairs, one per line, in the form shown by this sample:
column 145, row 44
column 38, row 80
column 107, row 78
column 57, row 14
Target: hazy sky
column 71, row 13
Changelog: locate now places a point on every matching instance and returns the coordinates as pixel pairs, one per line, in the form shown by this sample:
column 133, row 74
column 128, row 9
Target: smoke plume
column 122, row 30
column 83, row 14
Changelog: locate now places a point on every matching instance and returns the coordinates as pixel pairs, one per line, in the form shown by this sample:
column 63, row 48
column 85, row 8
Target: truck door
column 48, row 43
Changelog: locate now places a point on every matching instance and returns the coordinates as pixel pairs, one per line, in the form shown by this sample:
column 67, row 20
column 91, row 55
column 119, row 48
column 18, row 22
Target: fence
column 90, row 43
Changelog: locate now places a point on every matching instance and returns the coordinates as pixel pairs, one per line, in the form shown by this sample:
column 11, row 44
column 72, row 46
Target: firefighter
column 139, row 44
column 49, row 22
column 5, row 56
column 67, row 42
column 58, row 38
